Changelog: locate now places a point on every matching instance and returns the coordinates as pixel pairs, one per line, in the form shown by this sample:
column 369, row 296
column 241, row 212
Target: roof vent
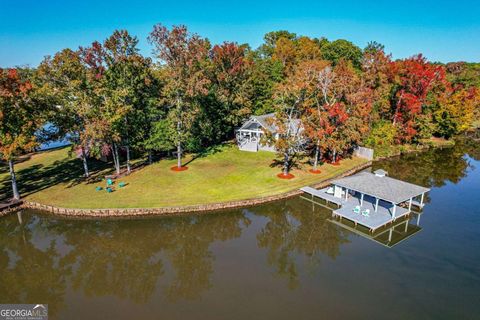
column 380, row 173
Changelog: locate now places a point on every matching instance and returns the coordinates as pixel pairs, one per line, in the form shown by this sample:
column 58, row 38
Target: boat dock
column 372, row 200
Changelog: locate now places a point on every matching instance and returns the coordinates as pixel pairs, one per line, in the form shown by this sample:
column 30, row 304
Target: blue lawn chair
column 109, row 190
column 109, row 182
column 99, row 188
column 122, row 184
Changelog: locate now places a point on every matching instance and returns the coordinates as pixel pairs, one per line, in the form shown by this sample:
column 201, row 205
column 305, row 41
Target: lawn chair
column 122, row 184
column 366, row 213
column 109, row 190
column 356, row 209
column 98, row 188
column 109, row 182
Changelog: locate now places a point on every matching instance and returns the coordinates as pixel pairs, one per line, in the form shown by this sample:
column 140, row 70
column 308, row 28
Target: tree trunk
column 129, row 168
column 179, row 155
column 334, row 159
column 285, row 163
column 116, row 159
column 16, row 194
column 317, row 152
column 114, row 156
column 150, row 158
column 85, row 164
column 397, row 108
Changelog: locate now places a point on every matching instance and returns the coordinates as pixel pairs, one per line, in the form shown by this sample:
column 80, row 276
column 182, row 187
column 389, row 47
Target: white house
column 249, row 135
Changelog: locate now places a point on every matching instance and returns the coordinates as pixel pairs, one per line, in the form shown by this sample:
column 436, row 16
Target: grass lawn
column 52, row 177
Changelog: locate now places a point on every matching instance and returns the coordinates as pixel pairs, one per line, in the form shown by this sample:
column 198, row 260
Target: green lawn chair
column 109, row 182
column 366, row 213
column 122, row 184
column 109, row 190
column 356, row 209
column 99, row 188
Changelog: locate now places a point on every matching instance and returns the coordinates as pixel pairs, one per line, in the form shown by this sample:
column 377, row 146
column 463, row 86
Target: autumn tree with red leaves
column 414, row 79
column 230, row 82
column 19, row 119
column 315, row 116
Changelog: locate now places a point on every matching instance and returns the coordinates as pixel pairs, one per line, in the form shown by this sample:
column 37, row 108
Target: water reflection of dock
column 388, row 236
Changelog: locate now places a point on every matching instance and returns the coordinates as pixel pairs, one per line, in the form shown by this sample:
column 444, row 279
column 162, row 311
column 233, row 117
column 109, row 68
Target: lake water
column 283, row 260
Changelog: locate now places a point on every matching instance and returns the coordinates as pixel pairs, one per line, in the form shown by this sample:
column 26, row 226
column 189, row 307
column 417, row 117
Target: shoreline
column 178, row 210
column 193, row 209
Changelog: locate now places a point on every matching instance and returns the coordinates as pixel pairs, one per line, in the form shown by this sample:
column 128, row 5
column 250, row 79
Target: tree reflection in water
column 123, row 258
column 30, row 271
column 434, row 167
column 296, row 227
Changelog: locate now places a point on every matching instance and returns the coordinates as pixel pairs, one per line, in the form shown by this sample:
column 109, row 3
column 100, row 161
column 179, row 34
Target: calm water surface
column 283, row 260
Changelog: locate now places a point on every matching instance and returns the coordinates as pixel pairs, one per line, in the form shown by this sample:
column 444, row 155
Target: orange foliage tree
column 19, row 120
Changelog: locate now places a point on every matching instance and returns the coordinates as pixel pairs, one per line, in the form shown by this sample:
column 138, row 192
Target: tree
column 286, row 53
column 266, row 74
column 357, row 98
column 314, row 114
column 103, row 129
column 19, row 119
column 376, row 66
column 373, row 47
column 290, row 52
column 414, row 78
column 336, row 129
column 292, row 96
column 231, row 82
column 307, row 49
column 127, row 81
column 342, row 49
column 456, row 113
column 184, row 56
column 65, row 76
column 271, row 38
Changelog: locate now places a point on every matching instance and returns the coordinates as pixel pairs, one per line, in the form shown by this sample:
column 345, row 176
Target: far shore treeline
column 107, row 99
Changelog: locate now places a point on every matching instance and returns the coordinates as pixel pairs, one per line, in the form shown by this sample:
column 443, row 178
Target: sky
column 442, row 30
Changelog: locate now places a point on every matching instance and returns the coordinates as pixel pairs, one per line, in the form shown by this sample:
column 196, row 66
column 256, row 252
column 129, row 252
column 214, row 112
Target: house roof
column 264, row 121
column 384, row 188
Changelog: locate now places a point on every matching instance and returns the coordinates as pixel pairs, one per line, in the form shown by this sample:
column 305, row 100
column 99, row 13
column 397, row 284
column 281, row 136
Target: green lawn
column 52, row 177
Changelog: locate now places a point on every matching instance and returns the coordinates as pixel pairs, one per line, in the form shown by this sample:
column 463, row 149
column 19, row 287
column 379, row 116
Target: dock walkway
column 323, row 195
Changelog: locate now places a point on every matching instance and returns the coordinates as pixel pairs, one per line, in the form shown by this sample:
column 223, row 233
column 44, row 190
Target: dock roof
column 384, row 188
